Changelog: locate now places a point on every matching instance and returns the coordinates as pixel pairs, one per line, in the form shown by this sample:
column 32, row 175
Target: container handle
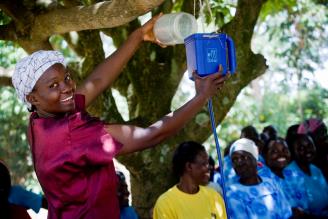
column 231, row 55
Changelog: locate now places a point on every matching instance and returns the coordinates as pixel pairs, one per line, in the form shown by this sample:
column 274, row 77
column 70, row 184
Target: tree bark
column 107, row 14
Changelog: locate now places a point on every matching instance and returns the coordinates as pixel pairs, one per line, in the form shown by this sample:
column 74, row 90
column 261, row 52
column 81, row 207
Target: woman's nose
column 66, row 87
column 240, row 161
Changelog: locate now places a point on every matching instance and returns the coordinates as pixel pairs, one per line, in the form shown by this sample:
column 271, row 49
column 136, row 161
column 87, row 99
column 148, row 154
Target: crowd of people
column 266, row 176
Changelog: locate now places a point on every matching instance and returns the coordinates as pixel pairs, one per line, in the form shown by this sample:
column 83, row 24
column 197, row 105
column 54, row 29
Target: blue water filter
column 205, row 52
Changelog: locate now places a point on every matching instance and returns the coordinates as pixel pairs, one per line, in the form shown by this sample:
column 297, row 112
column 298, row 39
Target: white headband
column 30, row 69
column 247, row 145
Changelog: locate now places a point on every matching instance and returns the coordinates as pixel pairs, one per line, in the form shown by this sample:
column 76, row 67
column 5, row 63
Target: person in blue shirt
column 9, row 210
column 317, row 129
column 291, row 135
column 27, row 199
column 253, row 196
column 126, row 211
column 248, row 132
column 277, row 157
column 303, row 175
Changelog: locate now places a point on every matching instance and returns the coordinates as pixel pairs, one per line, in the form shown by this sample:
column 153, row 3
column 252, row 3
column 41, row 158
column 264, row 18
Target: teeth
column 282, row 159
column 66, row 99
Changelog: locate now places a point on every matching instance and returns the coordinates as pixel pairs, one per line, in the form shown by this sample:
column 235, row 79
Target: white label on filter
column 212, row 55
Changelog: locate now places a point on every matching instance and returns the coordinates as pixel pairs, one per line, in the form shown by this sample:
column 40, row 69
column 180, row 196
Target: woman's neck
column 249, row 181
column 305, row 167
column 278, row 172
column 187, row 186
column 43, row 114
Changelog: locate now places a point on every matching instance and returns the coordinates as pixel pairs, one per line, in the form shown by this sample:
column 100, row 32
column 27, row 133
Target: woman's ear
column 188, row 167
column 31, row 98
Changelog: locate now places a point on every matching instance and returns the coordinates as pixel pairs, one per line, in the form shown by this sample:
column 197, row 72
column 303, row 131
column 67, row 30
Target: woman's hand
column 209, row 85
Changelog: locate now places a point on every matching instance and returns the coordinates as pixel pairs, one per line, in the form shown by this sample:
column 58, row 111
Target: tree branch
column 5, row 81
column 8, row 32
column 101, row 15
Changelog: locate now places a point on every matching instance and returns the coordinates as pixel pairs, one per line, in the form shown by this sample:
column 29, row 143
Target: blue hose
column 222, row 182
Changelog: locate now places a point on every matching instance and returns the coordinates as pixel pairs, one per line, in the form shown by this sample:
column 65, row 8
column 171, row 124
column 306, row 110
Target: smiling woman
column 277, row 157
column 253, row 196
column 53, row 92
column 301, row 175
column 189, row 198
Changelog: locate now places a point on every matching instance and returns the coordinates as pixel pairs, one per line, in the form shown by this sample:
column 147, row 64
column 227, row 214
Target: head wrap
column 309, row 126
column 247, row 145
column 30, row 69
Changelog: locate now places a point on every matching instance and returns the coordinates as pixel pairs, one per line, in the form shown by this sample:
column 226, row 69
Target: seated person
column 271, row 132
column 253, row 196
column 7, row 210
column 277, row 157
column 317, row 129
column 30, row 200
column 126, row 211
column 230, row 174
column 303, row 175
column 188, row 199
column 291, row 135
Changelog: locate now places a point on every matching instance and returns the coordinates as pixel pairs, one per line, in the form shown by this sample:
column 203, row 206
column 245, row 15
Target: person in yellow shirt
column 188, row 199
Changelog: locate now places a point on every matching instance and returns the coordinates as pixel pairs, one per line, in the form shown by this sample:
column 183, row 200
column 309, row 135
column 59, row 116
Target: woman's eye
column 54, row 85
column 68, row 77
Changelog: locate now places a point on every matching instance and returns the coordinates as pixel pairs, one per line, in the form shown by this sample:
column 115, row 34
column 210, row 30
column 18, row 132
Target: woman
column 188, row 199
column 253, row 196
column 277, row 157
column 304, row 176
column 317, row 129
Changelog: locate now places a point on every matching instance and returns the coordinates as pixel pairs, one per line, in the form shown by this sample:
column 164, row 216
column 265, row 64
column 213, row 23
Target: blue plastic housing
column 205, row 52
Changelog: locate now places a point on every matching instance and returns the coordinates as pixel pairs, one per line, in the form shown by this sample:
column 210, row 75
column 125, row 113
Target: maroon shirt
column 73, row 159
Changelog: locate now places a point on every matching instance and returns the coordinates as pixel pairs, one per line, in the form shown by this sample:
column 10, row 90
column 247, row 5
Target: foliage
column 298, row 36
column 219, row 11
column 4, row 19
column 9, row 53
column 274, row 7
column 13, row 148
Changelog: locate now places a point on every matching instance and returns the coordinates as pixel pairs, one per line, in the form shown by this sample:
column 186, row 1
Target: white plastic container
column 171, row 29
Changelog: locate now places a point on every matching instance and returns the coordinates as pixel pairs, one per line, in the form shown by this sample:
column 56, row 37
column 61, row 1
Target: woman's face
column 278, row 155
column 54, row 91
column 199, row 169
column 304, row 149
column 244, row 164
